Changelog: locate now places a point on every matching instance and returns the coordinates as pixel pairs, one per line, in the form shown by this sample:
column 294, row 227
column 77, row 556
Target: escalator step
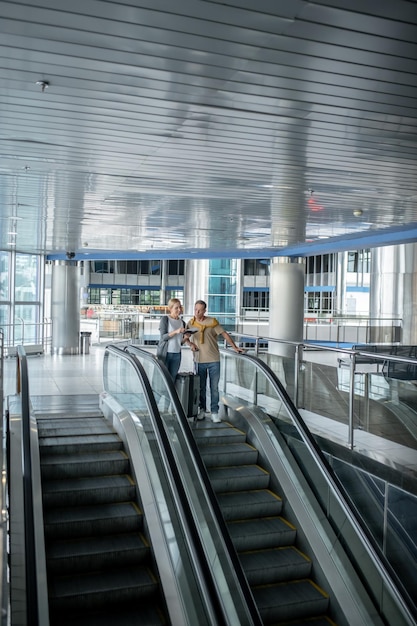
column 241, row 505
column 96, row 553
column 102, row 463
column 232, row 454
column 257, row 534
column 77, row 443
column 63, row 427
column 294, row 600
column 238, row 478
column 90, row 490
column 95, row 520
column 275, row 565
column 320, row 620
column 208, row 433
column 122, row 616
column 98, row 589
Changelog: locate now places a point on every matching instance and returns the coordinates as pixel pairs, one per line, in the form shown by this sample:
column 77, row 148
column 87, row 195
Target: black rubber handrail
column 32, row 618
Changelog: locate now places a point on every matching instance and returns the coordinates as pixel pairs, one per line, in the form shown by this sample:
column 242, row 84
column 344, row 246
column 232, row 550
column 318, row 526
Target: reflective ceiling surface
column 234, row 128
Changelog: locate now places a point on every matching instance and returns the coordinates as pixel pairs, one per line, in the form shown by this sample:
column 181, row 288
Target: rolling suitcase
column 187, row 385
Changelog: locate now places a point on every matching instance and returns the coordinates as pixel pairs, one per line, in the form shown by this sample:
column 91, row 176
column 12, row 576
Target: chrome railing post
column 351, row 398
column 297, row 365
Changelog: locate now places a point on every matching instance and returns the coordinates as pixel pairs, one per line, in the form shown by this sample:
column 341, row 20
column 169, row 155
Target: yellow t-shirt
column 206, row 339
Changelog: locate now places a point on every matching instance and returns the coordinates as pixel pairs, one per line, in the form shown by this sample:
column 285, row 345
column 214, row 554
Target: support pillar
column 286, row 304
column 393, row 294
column 65, row 308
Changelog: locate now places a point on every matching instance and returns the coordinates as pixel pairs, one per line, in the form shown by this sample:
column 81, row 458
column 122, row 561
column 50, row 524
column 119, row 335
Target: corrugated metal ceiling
column 234, row 128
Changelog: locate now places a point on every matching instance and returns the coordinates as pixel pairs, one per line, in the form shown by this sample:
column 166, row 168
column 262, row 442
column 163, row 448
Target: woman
column 172, row 330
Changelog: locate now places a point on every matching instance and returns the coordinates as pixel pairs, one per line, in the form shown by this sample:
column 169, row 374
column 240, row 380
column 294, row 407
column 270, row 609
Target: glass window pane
column 26, row 279
column 26, row 323
column 4, row 276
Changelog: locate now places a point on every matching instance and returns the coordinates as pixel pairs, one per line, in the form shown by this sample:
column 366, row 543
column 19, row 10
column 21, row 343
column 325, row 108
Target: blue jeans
column 212, row 371
column 173, row 361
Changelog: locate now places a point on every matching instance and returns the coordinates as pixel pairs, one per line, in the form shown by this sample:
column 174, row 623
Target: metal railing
column 360, row 366
column 34, row 336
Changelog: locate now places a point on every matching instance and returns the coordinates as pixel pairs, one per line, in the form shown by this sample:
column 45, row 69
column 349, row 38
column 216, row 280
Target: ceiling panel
column 206, row 128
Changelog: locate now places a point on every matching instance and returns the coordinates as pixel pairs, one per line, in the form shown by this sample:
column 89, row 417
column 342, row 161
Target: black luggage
column 188, row 389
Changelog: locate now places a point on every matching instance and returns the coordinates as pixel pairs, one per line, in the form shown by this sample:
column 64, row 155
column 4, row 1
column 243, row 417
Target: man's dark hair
column 201, row 302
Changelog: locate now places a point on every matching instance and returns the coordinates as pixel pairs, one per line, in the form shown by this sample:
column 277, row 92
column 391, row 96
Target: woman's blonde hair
column 173, row 301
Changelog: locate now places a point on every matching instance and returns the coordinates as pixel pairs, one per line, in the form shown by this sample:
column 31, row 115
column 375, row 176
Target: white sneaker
column 215, row 418
column 207, row 413
column 201, row 414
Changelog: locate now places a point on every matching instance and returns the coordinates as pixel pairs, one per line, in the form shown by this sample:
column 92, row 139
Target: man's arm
column 230, row 341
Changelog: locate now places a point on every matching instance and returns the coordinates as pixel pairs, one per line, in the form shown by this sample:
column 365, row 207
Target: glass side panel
column 242, row 379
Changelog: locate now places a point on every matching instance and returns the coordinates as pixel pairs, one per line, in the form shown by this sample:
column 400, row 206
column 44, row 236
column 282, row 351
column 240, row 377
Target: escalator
column 305, row 558
column 108, row 534
column 279, row 573
column 99, row 561
column 268, row 555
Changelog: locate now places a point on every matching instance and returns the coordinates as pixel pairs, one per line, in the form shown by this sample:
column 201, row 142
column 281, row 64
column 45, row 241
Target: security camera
column 70, row 255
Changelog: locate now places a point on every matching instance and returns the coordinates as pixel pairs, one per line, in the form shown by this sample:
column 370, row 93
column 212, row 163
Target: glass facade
column 222, row 291
column 21, row 300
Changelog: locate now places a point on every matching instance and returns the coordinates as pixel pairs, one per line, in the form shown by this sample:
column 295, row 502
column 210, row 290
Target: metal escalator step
column 76, row 443
column 238, row 478
column 89, row 490
column 267, row 532
column 122, row 616
column 98, row 589
column 320, row 620
column 230, row 454
column 96, row 520
column 96, row 553
column 275, row 565
column 208, row 433
column 294, row 600
column 102, row 463
column 241, row 505
column 62, row 427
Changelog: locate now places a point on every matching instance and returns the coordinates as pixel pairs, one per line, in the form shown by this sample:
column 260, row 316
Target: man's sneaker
column 215, row 418
column 201, row 414
column 207, row 413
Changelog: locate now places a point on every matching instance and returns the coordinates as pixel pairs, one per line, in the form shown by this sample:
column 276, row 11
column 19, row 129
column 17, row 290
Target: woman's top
column 166, row 326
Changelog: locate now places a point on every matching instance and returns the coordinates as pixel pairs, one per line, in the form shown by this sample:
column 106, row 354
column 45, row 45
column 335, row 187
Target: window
column 256, row 300
column 322, row 263
column 103, row 267
column 4, row 276
column 319, row 302
column 138, row 297
column 359, row 261
column 256, row 267
column 176, row 268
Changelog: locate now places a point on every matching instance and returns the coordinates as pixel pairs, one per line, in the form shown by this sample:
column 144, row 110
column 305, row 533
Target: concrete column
column 393, row 293
column 195, row 284
column 65, row 308
column 286, row 304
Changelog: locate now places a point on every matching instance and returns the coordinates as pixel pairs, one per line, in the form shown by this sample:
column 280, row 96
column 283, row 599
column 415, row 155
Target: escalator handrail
column 29, row 523
column 195, row 455
column 382, row 565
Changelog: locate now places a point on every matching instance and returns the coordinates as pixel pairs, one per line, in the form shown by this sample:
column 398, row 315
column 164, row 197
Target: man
column 206, row 355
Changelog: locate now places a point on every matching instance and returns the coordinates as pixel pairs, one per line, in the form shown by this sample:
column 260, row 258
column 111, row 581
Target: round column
column 393, row 294
column 65, row 308
column 286, row 304
column 195, row 284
